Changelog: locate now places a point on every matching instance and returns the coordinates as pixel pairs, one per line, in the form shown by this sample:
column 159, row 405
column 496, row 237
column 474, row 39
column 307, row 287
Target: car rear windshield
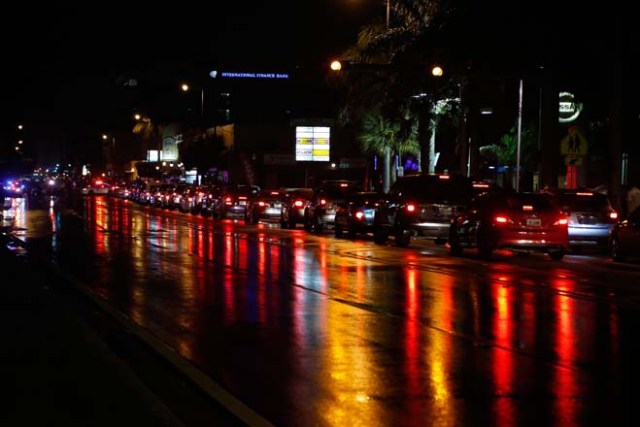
column 590, row 203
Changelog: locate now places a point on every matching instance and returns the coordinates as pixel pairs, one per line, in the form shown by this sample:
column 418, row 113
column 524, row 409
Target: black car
column 357, row 214
column 421, row 205
column 266, row 205
column 320, row 212
column 294, row 201
column 624, row 241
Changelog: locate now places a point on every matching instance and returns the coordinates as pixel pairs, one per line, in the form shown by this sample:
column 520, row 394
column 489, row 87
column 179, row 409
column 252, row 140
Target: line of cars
column 448, row 209
column 463, row 214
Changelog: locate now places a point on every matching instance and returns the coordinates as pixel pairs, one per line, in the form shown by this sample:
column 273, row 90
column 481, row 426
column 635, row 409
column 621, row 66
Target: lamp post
column 186, row 88
column 388, row 12
column 109, row 150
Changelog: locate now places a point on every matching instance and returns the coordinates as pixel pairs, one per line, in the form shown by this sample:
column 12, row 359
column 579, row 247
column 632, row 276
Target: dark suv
column 320, row 212
column 421, row 205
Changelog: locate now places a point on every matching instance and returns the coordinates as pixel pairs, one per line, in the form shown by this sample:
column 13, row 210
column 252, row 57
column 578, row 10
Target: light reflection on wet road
column 313, row 330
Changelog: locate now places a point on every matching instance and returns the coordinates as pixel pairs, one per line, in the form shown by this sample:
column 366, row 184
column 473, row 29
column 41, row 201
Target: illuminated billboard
column 312, row 143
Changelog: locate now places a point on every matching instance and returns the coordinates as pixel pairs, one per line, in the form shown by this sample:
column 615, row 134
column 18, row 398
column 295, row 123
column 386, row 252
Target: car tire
column 454, row 244
column 337, row 230
column 307, row 222
column 403, row 236
column 351, row 232
column 556, row 255
column 615, row 251
column 379, row 236
column 483, row 243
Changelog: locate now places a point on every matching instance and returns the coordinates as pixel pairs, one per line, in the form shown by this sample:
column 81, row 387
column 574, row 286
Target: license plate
column 242, row 202
column 534, row 222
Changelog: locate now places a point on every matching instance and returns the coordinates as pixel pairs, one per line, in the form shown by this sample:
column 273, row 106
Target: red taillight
column 359, row 215
column 323, row 202
column 297, row 203
column 613, row 215
column 262, row 204
column 411, row 207
column 561, row 221
column 501, row 219
column 228, row 200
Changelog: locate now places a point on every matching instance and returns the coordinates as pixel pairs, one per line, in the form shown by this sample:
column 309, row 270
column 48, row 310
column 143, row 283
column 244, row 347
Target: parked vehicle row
column 447, row 209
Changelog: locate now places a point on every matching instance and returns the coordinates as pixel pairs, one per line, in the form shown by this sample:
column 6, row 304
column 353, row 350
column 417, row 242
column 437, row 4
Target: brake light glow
column 443, row 176
column 500, row 219
column 411, row 207
column 561, row 221
column 261, row 204
column 613, row 215
column 297, row 203
column 584, row 194
column 359, row 215
column 323, row 202
column 344, row 185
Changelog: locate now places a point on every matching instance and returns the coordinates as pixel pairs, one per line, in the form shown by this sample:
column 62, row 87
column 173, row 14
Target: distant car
column 96, row 187
column 235, row 200
column 267, row 205
column 531, row 222
column 320, row 212
column 624, row 240
column 357, row 214
column 294, row 201
column 421, row 206
column 591, row 218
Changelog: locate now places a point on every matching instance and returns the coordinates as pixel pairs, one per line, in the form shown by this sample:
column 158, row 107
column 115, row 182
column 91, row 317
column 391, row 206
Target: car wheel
column 615, row 251
column 307, row 222
column 454, row 244
column 403, row 236
column 556, row 255
column 318, row 226
column 351, row 232
column 338, row 231
column 379, row 236
column 483, row 243
column 283, row 223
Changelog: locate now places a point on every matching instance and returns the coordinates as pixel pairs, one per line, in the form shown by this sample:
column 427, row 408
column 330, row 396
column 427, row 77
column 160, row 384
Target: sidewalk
column 54, row 369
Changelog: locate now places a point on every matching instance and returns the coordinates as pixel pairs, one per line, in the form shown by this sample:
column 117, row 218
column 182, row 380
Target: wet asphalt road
column 317, row 331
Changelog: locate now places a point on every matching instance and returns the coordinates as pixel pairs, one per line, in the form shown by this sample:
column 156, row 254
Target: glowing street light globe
column 437, row 71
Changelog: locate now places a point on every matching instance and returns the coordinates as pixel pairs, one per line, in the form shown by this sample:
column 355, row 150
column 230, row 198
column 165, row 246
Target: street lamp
column 186, row 88
column 109, row 150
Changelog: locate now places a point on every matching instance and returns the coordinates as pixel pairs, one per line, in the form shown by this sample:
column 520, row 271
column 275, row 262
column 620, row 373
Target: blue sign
column 248, row 75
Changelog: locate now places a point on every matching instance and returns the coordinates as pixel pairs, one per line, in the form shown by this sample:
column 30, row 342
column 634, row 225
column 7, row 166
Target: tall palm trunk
column 386, row 177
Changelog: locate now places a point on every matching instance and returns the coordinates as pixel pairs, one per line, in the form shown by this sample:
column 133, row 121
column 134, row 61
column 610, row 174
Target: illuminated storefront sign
column 312, row 143
column 569, row 108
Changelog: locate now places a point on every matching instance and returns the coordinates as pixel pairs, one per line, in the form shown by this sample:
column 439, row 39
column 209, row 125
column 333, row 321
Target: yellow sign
column 574, row 144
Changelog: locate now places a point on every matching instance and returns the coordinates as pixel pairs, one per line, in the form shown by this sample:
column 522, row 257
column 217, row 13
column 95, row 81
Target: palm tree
column 380, row 136
column 149, row 132
column 398, row 57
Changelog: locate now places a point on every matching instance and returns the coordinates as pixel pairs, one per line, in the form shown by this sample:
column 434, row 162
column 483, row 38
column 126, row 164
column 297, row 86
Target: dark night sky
column 61, row 63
